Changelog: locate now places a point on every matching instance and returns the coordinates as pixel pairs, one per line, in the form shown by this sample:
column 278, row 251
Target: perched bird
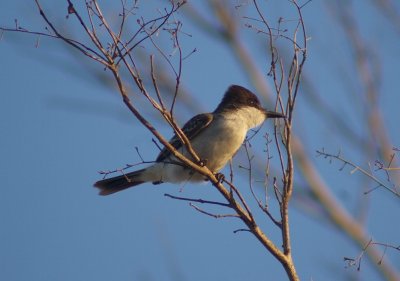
column 215, row 137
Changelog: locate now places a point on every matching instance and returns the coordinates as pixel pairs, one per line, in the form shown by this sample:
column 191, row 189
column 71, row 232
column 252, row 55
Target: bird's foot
column 220, row 177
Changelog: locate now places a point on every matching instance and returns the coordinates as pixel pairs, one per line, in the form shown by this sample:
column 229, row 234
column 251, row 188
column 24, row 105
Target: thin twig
column 197, row 200
column 358, row 168
column 217, row 216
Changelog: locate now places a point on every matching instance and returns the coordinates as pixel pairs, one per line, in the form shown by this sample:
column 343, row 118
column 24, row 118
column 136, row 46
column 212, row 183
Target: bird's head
column 239, row 98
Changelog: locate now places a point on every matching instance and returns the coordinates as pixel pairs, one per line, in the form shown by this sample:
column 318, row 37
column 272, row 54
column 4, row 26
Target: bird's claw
column 220, row 177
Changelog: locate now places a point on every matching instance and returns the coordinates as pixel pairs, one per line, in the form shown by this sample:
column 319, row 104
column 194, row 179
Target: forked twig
column 359, row 169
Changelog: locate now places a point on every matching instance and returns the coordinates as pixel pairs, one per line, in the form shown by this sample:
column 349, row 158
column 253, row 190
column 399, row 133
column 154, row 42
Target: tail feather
column 115, row 184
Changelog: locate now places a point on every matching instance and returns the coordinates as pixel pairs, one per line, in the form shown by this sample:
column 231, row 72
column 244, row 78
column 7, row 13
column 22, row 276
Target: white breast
column 216, row 145
column 222, row 139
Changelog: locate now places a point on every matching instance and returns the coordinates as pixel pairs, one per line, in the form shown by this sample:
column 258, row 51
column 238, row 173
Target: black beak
column 273, row 114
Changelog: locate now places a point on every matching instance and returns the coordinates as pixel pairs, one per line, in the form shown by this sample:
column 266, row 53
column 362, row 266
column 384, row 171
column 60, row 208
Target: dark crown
column 236, row 97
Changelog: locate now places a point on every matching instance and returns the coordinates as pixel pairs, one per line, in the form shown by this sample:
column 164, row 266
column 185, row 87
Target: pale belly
column 215, row 146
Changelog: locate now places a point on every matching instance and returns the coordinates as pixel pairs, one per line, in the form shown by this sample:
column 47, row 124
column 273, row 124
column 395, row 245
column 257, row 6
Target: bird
column 215, row 137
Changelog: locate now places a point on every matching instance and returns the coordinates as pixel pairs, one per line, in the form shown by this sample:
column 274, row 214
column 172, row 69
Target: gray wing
column 191, row 129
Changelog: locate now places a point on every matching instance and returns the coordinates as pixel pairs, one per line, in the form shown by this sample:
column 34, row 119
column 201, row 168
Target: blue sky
column 60, row 125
